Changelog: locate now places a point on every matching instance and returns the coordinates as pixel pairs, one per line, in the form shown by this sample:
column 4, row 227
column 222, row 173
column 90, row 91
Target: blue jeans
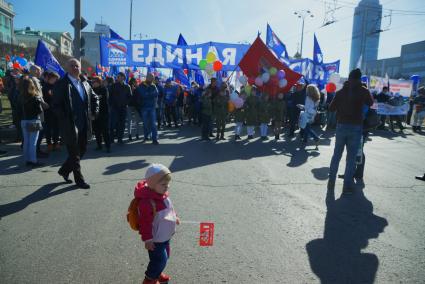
column 347, row 135
column 309, row 131
column 30, row 141
column 158, row 260
column 149, row 123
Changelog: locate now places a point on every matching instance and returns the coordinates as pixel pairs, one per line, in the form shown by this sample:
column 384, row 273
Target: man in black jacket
column 75, row 104
column 119, row 97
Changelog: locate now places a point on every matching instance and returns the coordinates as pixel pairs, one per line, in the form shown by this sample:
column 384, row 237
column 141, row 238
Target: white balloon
column 283, row 83
column 233, row 96
column 265, row 77
column 334, row 78
column 243, row 80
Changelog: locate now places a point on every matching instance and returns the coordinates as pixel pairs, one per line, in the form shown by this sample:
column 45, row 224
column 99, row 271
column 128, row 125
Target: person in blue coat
column 147, row 93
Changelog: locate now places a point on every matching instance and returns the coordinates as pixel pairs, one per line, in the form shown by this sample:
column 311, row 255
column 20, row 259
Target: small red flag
column 259, row 57
column 206, row 234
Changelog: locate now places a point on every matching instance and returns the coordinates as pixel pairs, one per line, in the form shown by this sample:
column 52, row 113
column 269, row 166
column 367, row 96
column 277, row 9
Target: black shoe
column 211, row 135
column 420, row 177
column 35, row 165
column 42, row 155
column 137, row 136
column 217, row 138
column 250, row 137
column 276, row 137
column 155, row 142
column 130, row 138
column 237, row 137
column 83, row 185
column 222, row 138
column 65, row 178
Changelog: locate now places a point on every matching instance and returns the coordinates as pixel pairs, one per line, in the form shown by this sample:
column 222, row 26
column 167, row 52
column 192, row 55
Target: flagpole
column 131, row 15
column 302, row 14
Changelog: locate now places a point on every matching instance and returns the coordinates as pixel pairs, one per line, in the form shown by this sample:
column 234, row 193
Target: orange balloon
column 230, row 106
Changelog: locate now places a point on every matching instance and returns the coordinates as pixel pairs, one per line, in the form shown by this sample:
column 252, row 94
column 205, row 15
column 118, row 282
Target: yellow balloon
column 211, row 57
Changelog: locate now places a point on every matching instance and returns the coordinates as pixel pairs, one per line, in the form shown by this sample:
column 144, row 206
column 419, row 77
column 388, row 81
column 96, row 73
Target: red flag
column 258, row 57
column 206, row 234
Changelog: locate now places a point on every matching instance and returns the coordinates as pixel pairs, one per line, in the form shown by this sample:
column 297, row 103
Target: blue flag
column 199, row 78
column 114, row 35
column 317, row 52
column 275, row 44
column 178, row 73
column 45, row 59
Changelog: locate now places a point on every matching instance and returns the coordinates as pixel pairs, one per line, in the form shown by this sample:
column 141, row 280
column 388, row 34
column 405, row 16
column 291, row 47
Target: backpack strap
column 153, row 207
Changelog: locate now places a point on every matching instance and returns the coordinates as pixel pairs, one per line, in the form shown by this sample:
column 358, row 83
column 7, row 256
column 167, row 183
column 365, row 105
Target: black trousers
column 170, row 112
column 101, row 132
column 75, row 153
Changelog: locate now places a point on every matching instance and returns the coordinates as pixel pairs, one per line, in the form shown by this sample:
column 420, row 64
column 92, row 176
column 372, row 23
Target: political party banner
column 158, row 54
column 400, row 91
column 314, row 72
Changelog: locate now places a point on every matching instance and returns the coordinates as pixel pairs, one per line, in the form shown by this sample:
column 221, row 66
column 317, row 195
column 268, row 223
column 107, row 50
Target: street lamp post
column 302, row 14
column 131, row 15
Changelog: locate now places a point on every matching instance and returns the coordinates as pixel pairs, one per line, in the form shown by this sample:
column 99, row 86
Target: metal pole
column 302, row 38
column 131, row 15
column 77, row 29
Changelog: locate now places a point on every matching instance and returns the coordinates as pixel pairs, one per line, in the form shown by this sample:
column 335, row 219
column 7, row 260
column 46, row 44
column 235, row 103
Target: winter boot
column 163, row 278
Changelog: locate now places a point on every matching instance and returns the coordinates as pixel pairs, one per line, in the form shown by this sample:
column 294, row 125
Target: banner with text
column 159, row 54
column 400, row 91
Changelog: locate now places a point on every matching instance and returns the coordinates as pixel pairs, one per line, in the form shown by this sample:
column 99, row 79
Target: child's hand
column 177, row 220
column 149, row 246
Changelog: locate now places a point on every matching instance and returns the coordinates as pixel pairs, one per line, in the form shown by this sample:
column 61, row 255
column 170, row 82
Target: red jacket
column 146, row 214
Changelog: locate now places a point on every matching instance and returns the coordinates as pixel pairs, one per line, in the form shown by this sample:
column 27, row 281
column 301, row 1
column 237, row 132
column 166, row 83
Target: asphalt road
column 274, row 220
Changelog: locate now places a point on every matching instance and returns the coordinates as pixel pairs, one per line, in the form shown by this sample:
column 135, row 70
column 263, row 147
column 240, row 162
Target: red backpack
column 133, row 213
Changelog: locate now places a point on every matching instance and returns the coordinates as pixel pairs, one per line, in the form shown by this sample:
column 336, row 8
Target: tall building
column 366, row 30
column 92, row 46
column 6, row 22
column 411, row 62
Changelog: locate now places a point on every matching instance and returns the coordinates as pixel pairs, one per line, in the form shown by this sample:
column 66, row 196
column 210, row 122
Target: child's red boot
column 163, row 278
column 150, row 281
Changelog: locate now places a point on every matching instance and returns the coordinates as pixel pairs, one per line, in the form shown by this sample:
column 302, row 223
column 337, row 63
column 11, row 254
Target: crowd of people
column 70, row 110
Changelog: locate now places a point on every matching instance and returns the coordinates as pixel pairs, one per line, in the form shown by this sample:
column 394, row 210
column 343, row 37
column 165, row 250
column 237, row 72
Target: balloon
column 209, row 67
column 230, row 106
column 202, row 64
column 265, row 77
column 283, row 83
column 258, row 81
column 251, row 80
column 21, row 55
column 248, row 89
column 273, row 71
column 334, row 78
column 217, row 66
column 243, row 80
column 330, row 87
column 364, row 79
column 89, row 69
column 211, row 57
column 10, row 64
column 22, row 61
column 185, row 71
column 281, row 74
column 233, row 96
column 7, row 57
column 16, row 65
column 238, row 103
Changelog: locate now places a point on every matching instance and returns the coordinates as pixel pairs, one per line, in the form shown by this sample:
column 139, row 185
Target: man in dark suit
column 74, row 104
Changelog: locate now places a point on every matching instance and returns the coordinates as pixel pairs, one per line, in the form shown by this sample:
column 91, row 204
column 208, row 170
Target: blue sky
column 229, row 21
